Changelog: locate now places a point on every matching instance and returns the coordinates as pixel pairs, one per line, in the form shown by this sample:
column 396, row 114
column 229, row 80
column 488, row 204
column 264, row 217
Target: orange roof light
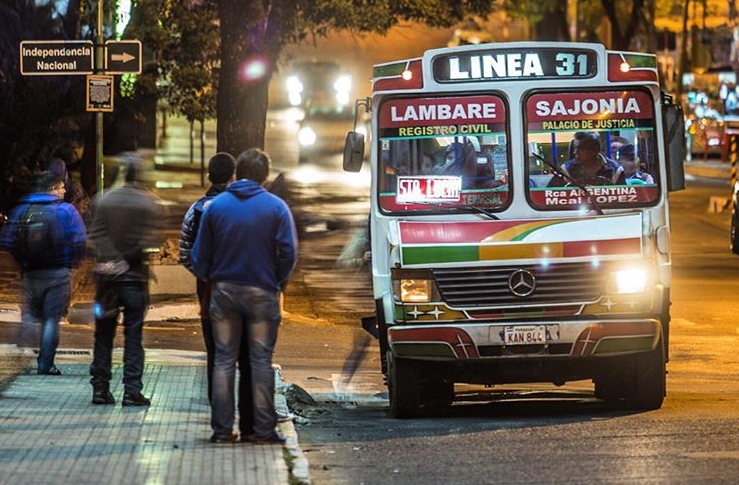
column 407, row 75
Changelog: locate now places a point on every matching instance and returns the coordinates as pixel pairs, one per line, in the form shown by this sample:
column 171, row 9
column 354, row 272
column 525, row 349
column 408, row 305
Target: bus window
column 443, row 152
column 603, row 140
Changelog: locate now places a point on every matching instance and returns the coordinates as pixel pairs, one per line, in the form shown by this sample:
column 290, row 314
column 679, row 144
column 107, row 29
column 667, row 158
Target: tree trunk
column 243, row 92
column 682, row 66
column 621, row 40
column 554, row 25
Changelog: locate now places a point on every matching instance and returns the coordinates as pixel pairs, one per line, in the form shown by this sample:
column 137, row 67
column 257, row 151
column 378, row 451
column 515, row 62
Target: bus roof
column 476, row 67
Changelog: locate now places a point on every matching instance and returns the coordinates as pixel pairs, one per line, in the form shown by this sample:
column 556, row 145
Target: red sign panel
column 397, row 113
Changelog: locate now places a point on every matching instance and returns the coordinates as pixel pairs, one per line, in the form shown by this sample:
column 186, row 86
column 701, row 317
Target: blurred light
column 342, row 97
column 306, row 136
column 362, row 130
column 545, row 263
column 294, row 85
column 624, row 67
column 631, row 280
column 473, row 40
column 308, row 174
column 595, row 263
column 254, row 69
column 343, row 84
column 713, row 142
column 295, row 98
column 407, row 75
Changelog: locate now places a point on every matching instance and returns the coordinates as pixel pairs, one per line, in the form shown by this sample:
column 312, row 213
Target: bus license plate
column 525, row 335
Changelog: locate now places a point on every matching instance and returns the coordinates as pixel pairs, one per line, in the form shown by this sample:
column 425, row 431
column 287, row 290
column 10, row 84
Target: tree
column 621, row 38
column 254, row 32
column 548, row 18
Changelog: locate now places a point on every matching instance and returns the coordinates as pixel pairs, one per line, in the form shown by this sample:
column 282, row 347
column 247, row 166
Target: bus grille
column 488, row 287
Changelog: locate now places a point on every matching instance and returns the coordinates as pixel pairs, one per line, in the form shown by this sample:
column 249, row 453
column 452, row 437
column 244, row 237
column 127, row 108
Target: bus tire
column 403, row 387
column 437, row 392
column 641, row 389
column 735, row 230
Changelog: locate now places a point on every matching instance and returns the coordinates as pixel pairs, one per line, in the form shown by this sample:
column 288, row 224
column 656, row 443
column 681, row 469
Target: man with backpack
column 46, row 237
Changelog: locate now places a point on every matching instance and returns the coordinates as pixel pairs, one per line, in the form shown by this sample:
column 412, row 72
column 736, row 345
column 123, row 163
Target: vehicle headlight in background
column 342, row 97
column 415, row 291
column 294, row 90
column 629, row 281
column 343, row 84
column 306, row 136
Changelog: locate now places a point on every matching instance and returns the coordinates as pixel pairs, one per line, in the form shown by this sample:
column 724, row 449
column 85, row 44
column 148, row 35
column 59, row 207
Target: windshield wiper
column 471, row 207
column 591, row 200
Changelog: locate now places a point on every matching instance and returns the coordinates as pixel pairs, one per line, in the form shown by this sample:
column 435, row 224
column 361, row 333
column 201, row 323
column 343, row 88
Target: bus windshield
column 443, row 154
column 604, row 141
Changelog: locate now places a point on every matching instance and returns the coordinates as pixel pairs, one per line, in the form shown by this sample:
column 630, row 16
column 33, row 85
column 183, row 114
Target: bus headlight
column 630, row 281
column 415, row 291
column 306, row 136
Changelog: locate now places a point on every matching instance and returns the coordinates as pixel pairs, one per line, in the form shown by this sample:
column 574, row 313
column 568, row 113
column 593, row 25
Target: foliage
column 183, row 37
column 39, row 115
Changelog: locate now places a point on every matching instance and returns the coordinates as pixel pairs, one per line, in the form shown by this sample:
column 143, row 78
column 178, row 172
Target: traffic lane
column 548, row 440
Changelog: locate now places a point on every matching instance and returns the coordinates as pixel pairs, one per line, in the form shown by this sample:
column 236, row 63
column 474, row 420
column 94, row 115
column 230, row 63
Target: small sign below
column 123, row 57
column 56, row 57
column 100, row 93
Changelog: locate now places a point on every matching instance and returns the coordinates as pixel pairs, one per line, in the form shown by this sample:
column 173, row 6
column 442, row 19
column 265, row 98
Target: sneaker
column 52, row 371
column 224, row 438
column 102, row 395
column 135, row 399
column 272, row 439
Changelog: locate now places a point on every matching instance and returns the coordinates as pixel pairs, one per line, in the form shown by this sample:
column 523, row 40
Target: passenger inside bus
column 631, row 162
column 588, row 165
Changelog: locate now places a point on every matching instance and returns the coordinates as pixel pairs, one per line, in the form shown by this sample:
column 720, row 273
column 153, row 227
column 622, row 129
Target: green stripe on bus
column 440, row 254
column 389, row 70
column 635, row 60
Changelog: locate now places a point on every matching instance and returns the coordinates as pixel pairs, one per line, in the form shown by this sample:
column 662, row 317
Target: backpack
column 36, row 237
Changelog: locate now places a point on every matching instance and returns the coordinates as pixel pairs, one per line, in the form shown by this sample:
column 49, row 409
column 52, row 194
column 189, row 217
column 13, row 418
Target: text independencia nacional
column 57, row 52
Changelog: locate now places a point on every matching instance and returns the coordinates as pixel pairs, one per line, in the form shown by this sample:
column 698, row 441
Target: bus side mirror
column 674, row 124
column 353, row 152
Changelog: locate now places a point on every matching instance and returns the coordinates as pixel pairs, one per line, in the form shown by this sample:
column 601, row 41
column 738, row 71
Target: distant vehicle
column 704, row 128
column 323, row 130
column 318, row 83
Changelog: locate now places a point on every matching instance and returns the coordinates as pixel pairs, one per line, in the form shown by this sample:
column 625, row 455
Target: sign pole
column 99, row 57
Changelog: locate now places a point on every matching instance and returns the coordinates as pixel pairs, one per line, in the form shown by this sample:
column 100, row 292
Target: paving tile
column 51, row 434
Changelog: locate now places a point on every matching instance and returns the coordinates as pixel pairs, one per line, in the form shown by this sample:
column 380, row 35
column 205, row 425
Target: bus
column 519, row 223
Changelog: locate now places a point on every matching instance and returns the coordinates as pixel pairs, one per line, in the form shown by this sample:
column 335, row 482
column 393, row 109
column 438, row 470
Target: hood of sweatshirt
column 244, row 188
column 40, row 198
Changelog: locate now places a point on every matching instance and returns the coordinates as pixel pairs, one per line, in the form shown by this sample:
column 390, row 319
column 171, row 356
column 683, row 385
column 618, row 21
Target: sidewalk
column 713, row 169
column 51, row 434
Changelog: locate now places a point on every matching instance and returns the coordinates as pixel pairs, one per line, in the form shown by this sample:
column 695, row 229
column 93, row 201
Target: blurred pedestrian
column 46, row 237
column 247, row 248
column 73, row 192
column 123, row 229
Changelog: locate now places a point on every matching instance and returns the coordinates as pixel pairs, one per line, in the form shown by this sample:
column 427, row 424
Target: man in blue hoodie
column 246, row 247
column 46, row 237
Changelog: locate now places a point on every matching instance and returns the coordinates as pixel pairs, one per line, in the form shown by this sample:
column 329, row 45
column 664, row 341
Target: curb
column 298, row 465
column 154, row 313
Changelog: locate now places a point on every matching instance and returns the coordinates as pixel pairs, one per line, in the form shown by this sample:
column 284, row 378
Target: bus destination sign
column 511, row 64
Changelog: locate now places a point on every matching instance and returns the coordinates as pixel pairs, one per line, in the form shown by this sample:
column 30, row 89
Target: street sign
column 100, row 93
column 123, row 57
column 55, row 57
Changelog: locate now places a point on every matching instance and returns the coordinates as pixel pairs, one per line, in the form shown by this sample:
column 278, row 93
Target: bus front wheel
column 403, row 386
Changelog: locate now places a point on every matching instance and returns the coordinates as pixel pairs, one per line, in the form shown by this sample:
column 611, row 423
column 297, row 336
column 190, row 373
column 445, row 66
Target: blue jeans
column 110, row 297
column 46, row 297
column 237, row 312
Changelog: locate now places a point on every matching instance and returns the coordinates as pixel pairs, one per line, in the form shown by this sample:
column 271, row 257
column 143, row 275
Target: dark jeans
column 112, row 296
column 246, row 414
column 244, row 313
column 46, row 297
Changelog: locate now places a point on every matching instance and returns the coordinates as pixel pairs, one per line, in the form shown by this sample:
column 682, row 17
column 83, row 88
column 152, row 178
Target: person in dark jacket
column 123, row 229
column 61, row 237
column 220, row 172
column 247, row 247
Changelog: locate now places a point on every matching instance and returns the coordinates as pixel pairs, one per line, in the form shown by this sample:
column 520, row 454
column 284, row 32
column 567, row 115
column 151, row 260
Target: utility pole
column 99, row 53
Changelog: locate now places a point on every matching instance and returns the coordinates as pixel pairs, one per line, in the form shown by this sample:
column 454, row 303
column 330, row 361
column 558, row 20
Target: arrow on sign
column 125, row 57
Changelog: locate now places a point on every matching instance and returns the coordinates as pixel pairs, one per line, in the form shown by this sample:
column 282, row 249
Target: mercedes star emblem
column 522, row 283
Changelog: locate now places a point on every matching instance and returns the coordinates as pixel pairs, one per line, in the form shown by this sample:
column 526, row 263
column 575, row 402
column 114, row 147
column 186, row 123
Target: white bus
column 519, row 220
